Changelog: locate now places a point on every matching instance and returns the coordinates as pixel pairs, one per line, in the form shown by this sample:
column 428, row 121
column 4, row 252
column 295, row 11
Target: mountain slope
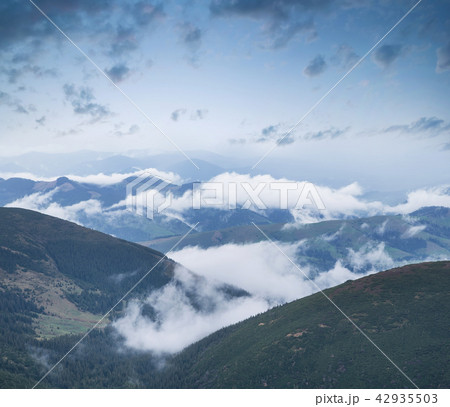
column 71, row 271
column 422, row 235
column 310, row 344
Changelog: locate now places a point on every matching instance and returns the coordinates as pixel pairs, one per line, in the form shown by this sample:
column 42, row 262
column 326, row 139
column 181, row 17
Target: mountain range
column 58, row 278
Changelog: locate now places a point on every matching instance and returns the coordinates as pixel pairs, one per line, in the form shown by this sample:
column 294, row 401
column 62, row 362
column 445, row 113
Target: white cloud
column 412, row 231
column 258, row 268
column 435, row 196
column 371, row 257
column 42, row 202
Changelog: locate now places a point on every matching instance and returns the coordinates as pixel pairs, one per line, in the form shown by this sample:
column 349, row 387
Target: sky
column 232, row 77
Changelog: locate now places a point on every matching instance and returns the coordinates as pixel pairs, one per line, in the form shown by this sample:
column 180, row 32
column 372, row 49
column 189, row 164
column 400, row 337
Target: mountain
column 422, row 235
column 87, row 162
column 307, row 343
column 102, row 207
column 59, row 278
column 310, row 344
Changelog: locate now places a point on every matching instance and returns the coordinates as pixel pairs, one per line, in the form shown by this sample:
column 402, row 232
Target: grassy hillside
column 303, row 344
column 58, row 278
column 309, row 344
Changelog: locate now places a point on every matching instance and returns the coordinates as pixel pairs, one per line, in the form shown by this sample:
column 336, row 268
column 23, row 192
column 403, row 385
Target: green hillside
column 58, row 278
column 304, row 344
column 310, row 344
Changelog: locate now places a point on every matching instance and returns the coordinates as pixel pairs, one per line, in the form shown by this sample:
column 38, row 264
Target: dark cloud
column 443, row 58
column 118, row 72
column 20, row 21
column 385, row 55
column 177, row 113
column 431, row 125
column 284, row 19
column 279, row 10
column 83, row 102
column 116, row 27
column 316, row 66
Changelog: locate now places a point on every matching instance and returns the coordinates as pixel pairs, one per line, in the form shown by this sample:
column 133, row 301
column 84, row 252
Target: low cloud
column 413, row 231
column 42, row 202
column 259, row 269
column 370, row 258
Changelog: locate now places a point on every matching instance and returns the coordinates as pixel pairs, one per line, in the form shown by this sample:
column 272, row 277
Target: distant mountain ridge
column 422, row 235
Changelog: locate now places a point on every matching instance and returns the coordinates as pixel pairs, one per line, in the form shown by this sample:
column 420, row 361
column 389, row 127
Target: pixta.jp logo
column 147, row 195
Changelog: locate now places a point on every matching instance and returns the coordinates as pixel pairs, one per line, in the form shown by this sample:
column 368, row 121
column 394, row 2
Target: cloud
column 315, row 67
column 345, row 57
column 432, row 125
column 42, row 202
column 269, row 133
column 133, row 129
column 260, row 269
column 124, row 41
column 190, row 35
column 380, row 230
column 443, row 58
column 16, row 104
column 178, row 322
column 145, row 13
column 412, row 231
column 283, row 20
column 41, row 121
column 434, row 196
column 83, row 102
column 370, row 258
column 199, row 114
column 176, row 114
column 327, row 134
column 276, row 10
column 118, row 72
column 386, row 54
column 14, row 73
